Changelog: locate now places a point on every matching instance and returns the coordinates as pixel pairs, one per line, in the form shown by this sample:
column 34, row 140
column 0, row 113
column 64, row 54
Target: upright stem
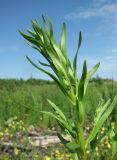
column 80, row 129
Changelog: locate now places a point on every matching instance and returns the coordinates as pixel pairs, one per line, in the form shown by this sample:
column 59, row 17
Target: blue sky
column 97, row 19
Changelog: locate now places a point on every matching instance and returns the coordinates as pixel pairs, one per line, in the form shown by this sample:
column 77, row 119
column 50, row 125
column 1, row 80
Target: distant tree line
column 9, row 83
column 100, row 80
column 34, row 81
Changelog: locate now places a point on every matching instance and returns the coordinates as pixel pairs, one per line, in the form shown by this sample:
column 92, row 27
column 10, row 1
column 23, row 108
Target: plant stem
column 80, row 129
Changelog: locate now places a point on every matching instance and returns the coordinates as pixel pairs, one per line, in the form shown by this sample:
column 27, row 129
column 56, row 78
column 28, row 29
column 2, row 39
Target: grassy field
column 20, row 105
column 25, row 99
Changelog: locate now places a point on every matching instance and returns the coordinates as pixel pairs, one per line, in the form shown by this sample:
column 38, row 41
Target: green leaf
column 45, row 39
column 82, row 82
column 33, row 41
column 46, row 72
column 58, row 52
column 45, row 26
column 29, row 38
column 89, row 75
column 80, row 39
column 71, row 146
column 31, row 32
column 36, row 27
column 51, row 75
column 61, row 70
column 57, row 109
column 76, row 55
column 55, row 116
column 60, row 121
column 33, row 46
column 102, row 108
column 101, row 121
column 51, row 27
column 63, row 41
column 44, row 64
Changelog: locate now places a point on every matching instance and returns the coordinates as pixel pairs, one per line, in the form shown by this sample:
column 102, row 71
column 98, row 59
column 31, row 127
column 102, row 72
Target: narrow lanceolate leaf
column 60, row 121
column 63, row 41
column 90, row 74
column 46, row 72
column 51, row 28
column 102, row 110
column 76, row 55
column 56, row 117
column 75, row 64
column 44, row 64
column 29, row 38
column 33, row 46
column 82, row 82
column 80, row 40
column 57, row 109
column 60, row 114
column 58, row 52
column 101, row 121
column 71, row 146
column 31, row 32
column 45, row 26
column 36, row 27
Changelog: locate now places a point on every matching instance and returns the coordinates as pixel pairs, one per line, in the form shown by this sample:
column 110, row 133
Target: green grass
column 25, row 99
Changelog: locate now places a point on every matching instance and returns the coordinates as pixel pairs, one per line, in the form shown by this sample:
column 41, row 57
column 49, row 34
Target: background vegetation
column 25, row 99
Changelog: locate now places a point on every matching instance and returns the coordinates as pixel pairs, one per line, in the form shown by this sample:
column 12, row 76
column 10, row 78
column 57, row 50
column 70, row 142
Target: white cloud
column 105, row 11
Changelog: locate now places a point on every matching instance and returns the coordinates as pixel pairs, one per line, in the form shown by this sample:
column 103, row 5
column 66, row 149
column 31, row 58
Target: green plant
column 74, row 88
